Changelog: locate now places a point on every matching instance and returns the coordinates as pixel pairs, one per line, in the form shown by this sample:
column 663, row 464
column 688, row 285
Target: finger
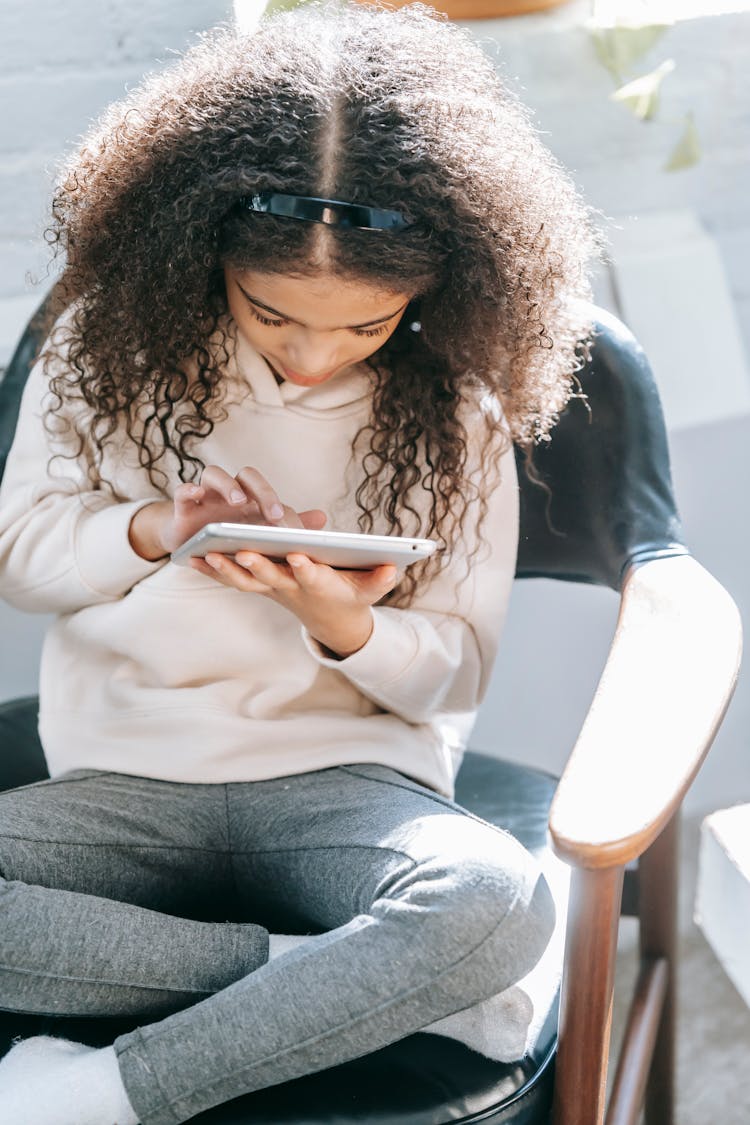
column 256, row 486
column 186, row 495
column 307, row 573
column 226, row 485
column 290, row 518
column 298, row 519
column 203, row 568
column 209, row 571
column 314, row 519
column 229, row 573
column 374, row 582
column 386, row 576
column 276, row 576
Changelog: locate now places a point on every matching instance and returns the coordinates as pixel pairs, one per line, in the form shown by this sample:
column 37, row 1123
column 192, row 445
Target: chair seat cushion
column 424, row 1079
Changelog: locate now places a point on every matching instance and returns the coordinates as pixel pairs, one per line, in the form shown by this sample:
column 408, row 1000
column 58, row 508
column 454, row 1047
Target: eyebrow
column 283, row 316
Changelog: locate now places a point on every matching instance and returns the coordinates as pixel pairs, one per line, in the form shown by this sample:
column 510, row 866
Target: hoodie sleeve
column 63, row 544
column 437, row 656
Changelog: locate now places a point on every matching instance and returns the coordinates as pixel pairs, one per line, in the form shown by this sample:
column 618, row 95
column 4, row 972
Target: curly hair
column 394, row 109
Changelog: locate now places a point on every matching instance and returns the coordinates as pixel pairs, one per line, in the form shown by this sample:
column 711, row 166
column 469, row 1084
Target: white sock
column 496, row 1027
column 49, row 1081
column 281, row 943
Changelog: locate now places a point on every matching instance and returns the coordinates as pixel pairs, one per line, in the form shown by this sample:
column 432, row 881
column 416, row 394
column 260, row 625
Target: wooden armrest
column 668, row 680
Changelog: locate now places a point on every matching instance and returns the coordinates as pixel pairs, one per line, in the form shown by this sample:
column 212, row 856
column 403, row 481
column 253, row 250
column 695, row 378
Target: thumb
column 379, row 580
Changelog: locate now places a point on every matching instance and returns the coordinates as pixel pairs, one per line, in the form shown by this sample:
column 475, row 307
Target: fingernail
column 236, row 496
column 276, row 511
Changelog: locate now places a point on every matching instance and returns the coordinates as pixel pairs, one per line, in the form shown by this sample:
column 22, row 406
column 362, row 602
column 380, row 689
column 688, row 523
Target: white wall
column 616, row 159
column 60, row 66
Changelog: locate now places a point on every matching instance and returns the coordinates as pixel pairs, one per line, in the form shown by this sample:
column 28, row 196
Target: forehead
column 321, row 300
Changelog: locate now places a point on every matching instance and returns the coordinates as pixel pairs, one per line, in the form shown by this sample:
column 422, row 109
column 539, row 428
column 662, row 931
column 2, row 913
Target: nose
column 312, row 353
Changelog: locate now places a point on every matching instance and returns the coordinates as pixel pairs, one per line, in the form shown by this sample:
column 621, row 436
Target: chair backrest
column 606, row 500
column 14, row 380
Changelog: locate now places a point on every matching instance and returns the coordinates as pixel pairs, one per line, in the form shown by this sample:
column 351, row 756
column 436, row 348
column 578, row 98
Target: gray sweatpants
column 126, row 895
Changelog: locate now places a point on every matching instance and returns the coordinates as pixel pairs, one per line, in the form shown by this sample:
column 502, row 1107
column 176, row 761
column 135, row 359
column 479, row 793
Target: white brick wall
column 60, row 65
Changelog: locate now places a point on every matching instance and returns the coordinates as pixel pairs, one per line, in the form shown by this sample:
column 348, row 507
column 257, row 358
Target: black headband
column 332, row 212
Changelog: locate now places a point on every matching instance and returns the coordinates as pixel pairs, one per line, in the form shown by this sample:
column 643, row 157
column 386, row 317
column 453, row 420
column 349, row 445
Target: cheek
column 368, row 347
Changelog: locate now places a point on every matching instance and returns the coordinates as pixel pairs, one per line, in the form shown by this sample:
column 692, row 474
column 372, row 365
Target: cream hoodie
column 155, row 670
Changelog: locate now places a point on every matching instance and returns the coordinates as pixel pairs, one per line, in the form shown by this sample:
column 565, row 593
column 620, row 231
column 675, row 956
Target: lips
column 307, row 380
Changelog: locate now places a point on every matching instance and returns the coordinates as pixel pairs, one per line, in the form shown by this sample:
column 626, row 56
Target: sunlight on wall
column 666, row 11
column 247, row 13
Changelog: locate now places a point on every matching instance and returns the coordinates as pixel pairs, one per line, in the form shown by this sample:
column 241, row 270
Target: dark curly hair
column 396, row 109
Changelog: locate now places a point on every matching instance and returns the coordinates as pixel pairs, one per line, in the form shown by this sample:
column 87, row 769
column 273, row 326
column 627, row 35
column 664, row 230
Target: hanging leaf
column 687, row 151
column 620, row 46
column 642, row 94
column 282, row 5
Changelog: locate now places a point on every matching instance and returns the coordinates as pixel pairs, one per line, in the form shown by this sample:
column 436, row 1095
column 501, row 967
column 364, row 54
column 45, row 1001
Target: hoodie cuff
column 106, row 561
column 390, row 651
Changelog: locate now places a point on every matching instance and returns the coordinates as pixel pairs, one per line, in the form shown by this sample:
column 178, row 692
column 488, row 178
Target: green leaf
column 641, row 96
column 282, row 5
column 620, row 46
column 687, row 151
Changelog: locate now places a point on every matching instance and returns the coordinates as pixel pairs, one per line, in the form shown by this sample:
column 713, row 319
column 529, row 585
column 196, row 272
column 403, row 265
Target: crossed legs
column 418, row 909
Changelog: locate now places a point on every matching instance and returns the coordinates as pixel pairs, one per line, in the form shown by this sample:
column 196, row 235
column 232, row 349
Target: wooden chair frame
column 667, row 682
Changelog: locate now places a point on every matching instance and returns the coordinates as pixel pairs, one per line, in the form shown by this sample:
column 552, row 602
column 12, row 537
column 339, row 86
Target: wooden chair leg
column 658, row 887
column 586, row 1000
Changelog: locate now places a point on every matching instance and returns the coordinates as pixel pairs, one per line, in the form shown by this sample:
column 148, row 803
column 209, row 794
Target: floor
column 713, row 1044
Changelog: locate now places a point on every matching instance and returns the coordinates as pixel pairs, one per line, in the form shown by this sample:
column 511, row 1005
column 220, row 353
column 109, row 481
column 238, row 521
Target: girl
column 322, row 274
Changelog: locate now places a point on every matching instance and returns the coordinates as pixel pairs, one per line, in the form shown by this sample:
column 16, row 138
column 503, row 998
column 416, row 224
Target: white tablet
column 342, row 549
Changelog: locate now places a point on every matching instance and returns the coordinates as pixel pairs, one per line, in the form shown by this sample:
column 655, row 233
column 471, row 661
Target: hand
column 159, row 528
column 333, row 605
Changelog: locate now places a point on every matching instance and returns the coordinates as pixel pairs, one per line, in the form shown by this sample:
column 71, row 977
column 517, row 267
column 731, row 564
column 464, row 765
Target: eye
column 265, row 319
column 370, row 331
column 275, row 323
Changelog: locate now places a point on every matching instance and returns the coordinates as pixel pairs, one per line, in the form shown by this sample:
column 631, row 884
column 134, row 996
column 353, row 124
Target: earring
column 416, row 326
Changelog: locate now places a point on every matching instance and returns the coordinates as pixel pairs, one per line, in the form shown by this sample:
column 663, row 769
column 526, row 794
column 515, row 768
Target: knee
column 506, row 910
column 484, row 915
column 519, row 933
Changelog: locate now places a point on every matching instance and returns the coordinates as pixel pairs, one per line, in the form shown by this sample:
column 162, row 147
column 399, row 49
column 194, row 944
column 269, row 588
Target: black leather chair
column 604, row 513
